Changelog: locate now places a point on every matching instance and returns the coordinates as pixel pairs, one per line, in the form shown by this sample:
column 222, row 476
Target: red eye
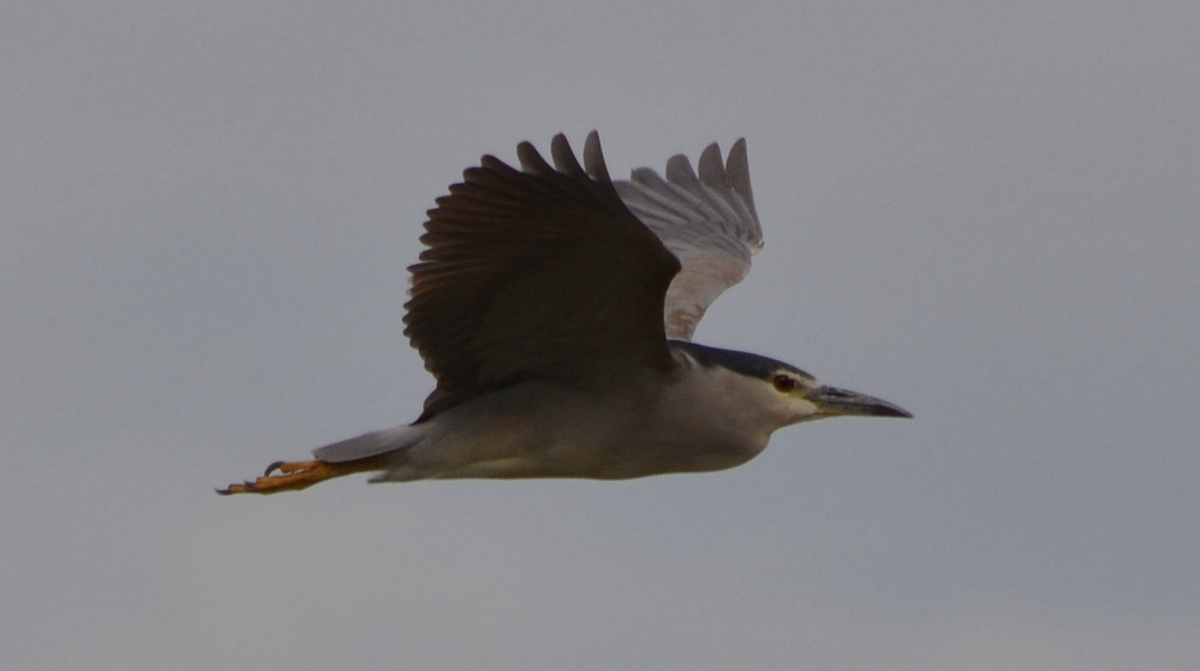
column 784, row 383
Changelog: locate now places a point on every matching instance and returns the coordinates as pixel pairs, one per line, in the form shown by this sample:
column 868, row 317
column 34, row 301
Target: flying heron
column 555, row 308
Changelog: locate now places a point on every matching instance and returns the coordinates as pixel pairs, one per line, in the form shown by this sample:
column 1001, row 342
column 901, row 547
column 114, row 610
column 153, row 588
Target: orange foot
column 297, row 475
column 292, row 476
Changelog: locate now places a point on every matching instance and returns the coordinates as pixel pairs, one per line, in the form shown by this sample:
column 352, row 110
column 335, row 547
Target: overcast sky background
column 988, row 213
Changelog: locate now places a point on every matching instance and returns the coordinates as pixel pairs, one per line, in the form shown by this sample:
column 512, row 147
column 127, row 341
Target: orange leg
column 297, row 475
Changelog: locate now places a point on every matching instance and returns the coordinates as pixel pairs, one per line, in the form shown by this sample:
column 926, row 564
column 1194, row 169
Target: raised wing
column 708, row 222
column 538, row 273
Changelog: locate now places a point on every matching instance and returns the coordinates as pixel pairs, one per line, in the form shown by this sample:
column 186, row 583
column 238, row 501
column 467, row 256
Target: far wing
column 707, row 221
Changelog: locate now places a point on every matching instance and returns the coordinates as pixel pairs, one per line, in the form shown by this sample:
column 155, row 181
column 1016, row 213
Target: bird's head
column 788, row 393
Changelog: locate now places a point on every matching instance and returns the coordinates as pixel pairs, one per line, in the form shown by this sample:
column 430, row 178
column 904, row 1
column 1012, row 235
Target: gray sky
column 985, row 212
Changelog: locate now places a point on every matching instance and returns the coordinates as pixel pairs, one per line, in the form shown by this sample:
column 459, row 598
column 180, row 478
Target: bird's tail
column 370, row 444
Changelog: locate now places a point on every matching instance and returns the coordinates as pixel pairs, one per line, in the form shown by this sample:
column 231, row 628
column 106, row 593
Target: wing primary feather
column 564, row 158
column 679, row 171
column 737, row 174
column 531, row 161
column 593, row 158
column 712, row 171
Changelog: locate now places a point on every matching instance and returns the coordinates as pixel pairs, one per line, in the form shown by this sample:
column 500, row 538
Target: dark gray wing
column 536, row 274
column 707, row 221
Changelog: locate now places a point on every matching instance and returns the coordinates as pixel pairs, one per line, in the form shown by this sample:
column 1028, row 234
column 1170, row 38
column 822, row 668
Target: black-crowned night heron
column 556, row 308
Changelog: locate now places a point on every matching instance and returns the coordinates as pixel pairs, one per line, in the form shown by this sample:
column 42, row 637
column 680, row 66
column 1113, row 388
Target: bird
column 555, row 308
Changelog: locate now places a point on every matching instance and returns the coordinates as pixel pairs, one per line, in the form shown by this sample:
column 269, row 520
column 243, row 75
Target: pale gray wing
column 707, row 221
